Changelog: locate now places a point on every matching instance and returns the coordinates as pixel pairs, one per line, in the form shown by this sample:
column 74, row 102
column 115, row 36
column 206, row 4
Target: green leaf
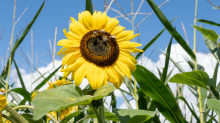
column 214, row 77
column 210, row 34
column 208, row 22
column 214, row 91
column 47, row 79
column 164, row 74
column 214, row 104
column 192, row 111
column 67, row 118
column 133, row 115
column 170, row 28
column 175, row 63
column 142, row 102
column 197, row 78
column 108, row 115
column 23, row 92
column 89, row 6
column 213, row 48
column 19, row 75
column 65, row 96
column 154, row 88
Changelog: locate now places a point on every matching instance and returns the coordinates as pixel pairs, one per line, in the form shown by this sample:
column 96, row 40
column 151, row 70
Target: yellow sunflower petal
column 128, row 44
column 74, row 66
column 112, row 22
column 78, row 29
column 123, row 35
column 118, row 84
column 129, row 55
column 117, row 30
column 129, row 37
column 68, row 43
column 128, row 62
column 124, row 68
column 86, row 19
column 3, row 102
column 96, row 79
column 80, row 73
column 71, row 57
column 72, row 36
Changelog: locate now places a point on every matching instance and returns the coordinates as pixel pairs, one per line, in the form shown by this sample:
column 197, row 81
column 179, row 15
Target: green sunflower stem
column 96, row 113
column 15, row 114
column 199, row 91
column 102, row 111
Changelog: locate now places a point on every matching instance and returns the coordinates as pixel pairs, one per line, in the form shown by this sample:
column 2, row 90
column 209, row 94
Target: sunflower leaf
column 197, row 78
column 210, row 34
column 214, row 104
column 65, row 96
column 133, row 115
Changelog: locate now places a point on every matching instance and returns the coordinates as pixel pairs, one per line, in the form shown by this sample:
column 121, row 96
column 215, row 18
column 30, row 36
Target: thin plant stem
column 15, row 114
column 32, row 107
column 11, row 42
column 96, row 113
column 135, row 82
column 199, row 91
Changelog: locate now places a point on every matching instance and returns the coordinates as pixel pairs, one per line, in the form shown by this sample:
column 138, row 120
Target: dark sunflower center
column 99, row 47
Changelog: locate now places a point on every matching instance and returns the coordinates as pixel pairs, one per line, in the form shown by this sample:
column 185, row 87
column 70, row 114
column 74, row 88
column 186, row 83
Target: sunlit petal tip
column 72, row 20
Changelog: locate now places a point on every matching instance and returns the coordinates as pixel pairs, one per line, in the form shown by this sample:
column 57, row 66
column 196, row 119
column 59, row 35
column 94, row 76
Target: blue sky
column 56, row 13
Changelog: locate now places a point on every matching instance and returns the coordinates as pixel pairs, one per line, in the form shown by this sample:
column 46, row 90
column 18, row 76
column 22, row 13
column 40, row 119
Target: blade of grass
column 19, row 75
column 170, row 28
column 192, row 111
column 164, row 74
column 214, row 77
column 208, row 22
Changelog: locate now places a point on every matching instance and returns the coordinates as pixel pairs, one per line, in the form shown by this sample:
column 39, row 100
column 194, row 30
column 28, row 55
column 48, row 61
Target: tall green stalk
column 135, row 82
column 199, row 91
column 11, row 43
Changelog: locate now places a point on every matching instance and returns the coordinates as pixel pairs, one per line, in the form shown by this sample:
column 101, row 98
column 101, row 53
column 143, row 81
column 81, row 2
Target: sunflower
column 97, row 48
column 3, row 102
